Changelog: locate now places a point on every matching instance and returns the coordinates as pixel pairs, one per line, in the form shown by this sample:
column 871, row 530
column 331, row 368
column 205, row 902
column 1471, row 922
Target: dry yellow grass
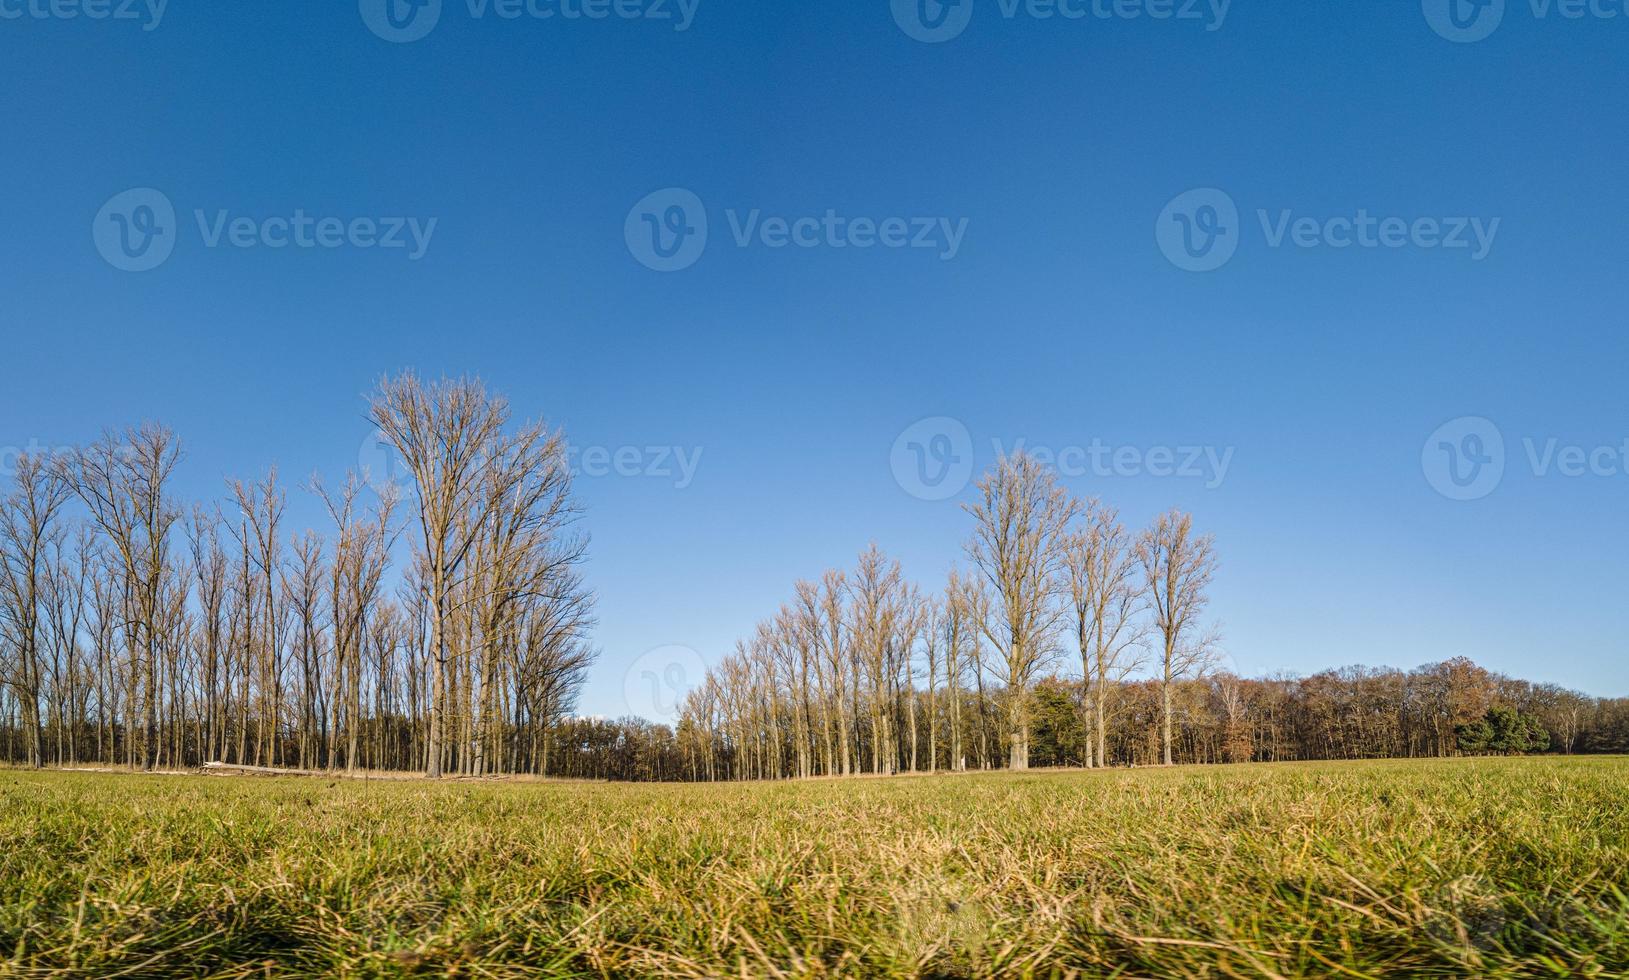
column 1486, row 867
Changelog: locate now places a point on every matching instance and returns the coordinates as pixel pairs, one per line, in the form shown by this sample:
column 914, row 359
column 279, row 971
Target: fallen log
column 260, row 770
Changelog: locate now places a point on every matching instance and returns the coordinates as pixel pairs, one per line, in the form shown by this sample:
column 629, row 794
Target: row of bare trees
column 1350, row 713
column 451, row 637
column 1067, row 639
column 445, row 628
column 863, row 672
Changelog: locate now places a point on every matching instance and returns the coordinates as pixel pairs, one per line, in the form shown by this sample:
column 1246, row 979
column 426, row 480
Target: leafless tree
column 260, row 510
column 122, row 481
column 1107, row 599
column 1177, row 568
column 1022, row 519
column 28, row 525
column 211, row 568
column 447, row 432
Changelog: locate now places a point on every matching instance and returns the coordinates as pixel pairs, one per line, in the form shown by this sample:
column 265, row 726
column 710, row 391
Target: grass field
column 1491, row 868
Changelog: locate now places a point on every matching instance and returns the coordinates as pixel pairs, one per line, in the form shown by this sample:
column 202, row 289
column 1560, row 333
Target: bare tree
column 836, row 656
column 810, row 630
column 874, row 615
column 121, row 482
column 447, row 433
column 260, row 509
column 1107, row 599
column 355, row 578
column 210, row 566
column 1022, row 519
column 28, row 525
column 933, row 618
column 522, row 550
column 1177, row 567
column 962, row 615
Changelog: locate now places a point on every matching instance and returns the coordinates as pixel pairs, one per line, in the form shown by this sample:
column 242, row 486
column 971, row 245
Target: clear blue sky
column 1059, row 320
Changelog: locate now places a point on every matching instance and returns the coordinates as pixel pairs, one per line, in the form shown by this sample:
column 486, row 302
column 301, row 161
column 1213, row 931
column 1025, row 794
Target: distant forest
column 139, row 631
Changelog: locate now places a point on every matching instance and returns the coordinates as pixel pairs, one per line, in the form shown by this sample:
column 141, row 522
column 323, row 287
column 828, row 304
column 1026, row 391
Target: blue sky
column 1054, row 145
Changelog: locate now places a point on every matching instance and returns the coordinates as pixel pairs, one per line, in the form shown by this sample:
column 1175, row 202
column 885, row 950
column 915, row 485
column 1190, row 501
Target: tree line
column 1350, row 713
column 1067, row 639
column 447, row 629
column 136, row 630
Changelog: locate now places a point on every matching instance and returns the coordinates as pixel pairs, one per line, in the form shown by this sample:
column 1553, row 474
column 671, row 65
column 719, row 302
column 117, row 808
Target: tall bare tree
column 1177, row 568
column 260, row 524
column 211, row 568
column 1022, row 519
column 1107, row 598
column 962, row 614
column 122, row 481
column 447, row 432
column 28, row 525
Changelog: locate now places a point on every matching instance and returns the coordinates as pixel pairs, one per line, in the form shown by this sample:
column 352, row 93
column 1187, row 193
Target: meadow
column 1493, row 867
